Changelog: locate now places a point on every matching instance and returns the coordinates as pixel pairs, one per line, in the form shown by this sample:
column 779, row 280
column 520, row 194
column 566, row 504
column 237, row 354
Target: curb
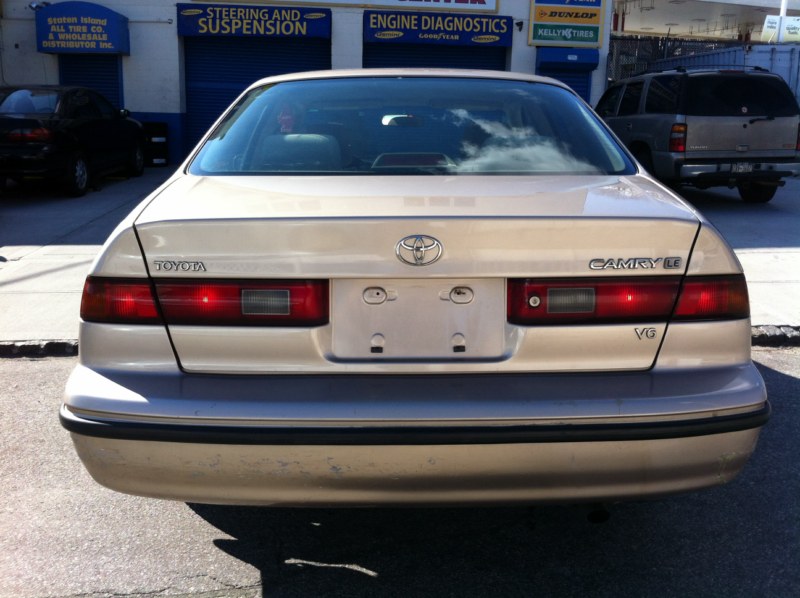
column 776, row 336
column 762, row 336
column 55, row 348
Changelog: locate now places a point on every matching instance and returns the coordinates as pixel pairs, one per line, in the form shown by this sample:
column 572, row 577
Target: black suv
column 709, row 128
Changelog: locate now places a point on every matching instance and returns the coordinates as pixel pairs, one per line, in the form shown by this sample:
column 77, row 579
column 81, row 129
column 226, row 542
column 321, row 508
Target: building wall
column 153, row 81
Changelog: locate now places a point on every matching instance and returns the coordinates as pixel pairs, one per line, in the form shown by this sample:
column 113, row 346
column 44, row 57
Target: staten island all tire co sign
column 574, row 23
column 81, row 28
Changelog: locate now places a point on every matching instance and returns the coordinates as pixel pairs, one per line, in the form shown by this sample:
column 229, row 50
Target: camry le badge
column 418, row 250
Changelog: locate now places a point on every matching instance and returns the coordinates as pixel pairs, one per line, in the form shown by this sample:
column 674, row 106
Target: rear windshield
column 28, row 101
column 739, row 95
column 417, row 125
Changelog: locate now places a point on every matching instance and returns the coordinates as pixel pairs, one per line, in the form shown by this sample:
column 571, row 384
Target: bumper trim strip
column 412, row 435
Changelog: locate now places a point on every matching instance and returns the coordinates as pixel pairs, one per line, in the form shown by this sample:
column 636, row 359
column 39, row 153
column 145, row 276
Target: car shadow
column 44, row 189
column 386, row 552
column 725, row 541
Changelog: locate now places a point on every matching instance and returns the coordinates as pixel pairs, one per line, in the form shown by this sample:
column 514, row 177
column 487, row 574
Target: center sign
column 574, row 23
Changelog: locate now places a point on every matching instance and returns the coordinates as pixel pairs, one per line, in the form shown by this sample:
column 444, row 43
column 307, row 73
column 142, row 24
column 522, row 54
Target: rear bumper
column 32, row 162
column 721, row 171
column 726, row 172
column 306, row 452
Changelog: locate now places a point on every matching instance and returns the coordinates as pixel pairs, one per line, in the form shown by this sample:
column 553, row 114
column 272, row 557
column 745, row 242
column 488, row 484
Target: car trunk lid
column 389, row 313
column 742, row 136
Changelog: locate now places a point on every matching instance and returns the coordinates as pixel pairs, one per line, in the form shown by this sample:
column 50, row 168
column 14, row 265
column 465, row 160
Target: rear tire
column 757, row 192
column 642, row 155
column 76, row 181
column 136, row 162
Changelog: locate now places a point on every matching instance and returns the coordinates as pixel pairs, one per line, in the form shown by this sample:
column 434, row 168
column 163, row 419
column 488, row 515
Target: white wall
column 152, row 76
column 347, row 40
column 20, row 63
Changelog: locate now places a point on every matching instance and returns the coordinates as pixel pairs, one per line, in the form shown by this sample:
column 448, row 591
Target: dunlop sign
column 574, row 23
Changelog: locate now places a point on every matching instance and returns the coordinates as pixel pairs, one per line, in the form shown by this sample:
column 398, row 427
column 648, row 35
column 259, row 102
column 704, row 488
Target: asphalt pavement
column 48, row 242
column 64, row 536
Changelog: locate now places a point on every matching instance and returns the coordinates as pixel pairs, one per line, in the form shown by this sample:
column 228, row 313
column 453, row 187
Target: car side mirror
column 124, row 113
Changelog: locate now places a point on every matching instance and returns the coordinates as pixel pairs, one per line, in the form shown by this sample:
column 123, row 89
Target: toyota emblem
column 418, row 250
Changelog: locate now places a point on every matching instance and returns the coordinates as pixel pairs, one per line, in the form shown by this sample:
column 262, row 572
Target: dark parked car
column 66, row 134
column 709, row 128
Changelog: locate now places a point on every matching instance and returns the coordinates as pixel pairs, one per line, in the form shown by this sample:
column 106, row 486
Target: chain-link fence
column 629, row 55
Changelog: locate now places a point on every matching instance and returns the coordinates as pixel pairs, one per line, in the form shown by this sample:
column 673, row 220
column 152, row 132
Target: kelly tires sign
column 574, row 23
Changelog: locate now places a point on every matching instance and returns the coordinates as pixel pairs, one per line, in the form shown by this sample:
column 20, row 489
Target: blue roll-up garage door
column 434, row 56
column 572, row 66
column 101, row 72
column 580, row 82
column 218, row 69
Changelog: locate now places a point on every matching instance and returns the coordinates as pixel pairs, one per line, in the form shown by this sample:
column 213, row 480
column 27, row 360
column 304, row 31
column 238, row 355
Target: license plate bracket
column 418, row 319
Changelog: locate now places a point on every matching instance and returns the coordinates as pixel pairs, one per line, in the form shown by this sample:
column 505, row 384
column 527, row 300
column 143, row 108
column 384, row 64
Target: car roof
column 41, row 87
column 754, row 71
column 408, row 72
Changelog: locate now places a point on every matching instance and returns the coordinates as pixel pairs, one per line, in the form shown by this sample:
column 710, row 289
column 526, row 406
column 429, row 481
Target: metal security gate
column 101, row 72
column 218, row 69
column 573, row 66
column 434, row 56
column 580, row 82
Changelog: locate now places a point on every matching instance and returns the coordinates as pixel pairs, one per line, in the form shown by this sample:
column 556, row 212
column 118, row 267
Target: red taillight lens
column 606, row 301
column 677, row 138
column 39, row 134
column 797, row 145
column 118, row 301
column 591, row 301
column 713, row 298
column 245, row 303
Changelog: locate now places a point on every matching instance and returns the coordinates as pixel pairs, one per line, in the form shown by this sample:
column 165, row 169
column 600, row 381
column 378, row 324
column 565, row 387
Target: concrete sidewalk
column 41, row 285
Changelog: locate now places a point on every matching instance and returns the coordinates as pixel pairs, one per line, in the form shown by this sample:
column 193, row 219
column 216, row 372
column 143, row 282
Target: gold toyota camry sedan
column 413, row 287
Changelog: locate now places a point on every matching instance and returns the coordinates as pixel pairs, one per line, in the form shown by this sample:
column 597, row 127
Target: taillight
column 244, row 303
column 118, row 301
column 210, row 303
column 797, row 145
column 713, row 298
column 38, row 134
column 677, row 138
column 626, row 300
column 591, row 301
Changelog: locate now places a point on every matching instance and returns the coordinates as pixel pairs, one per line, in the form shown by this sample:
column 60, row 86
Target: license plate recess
column 413, row 319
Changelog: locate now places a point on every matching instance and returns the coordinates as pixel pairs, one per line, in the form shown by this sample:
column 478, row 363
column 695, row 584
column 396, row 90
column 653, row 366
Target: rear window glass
column 415, row 125
column 663, row 94
column 739, row 95
column 27, row 101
